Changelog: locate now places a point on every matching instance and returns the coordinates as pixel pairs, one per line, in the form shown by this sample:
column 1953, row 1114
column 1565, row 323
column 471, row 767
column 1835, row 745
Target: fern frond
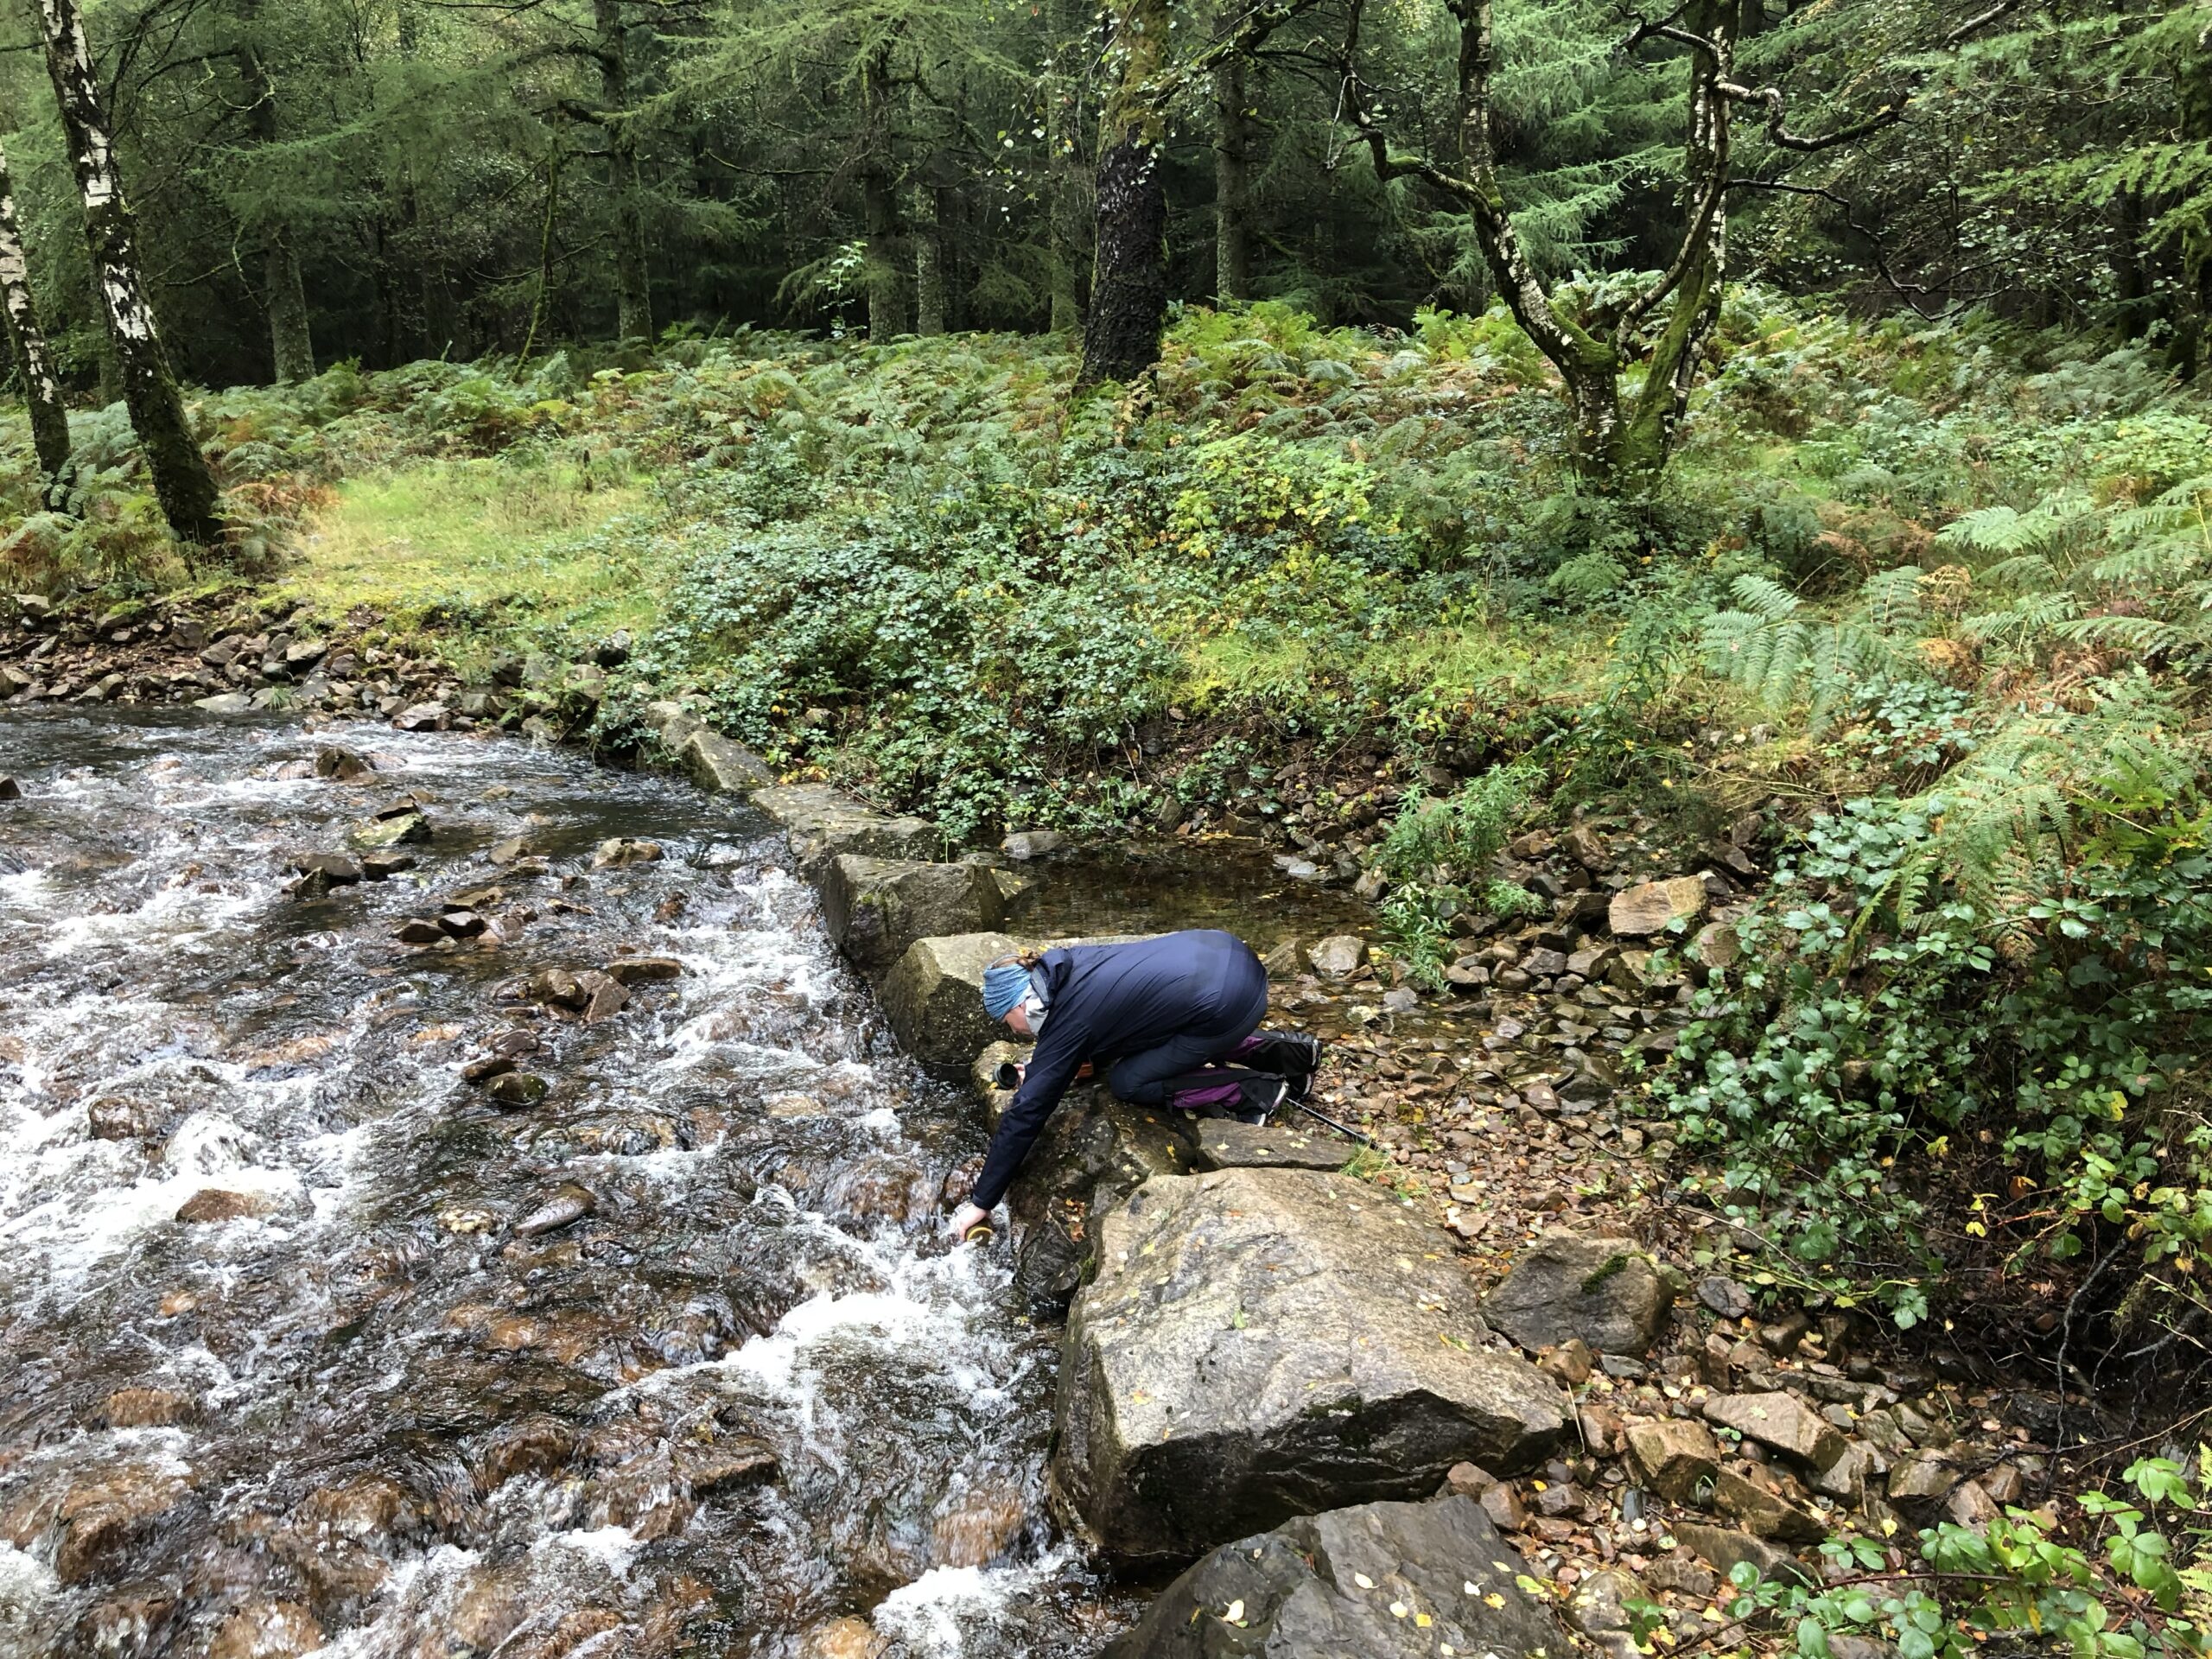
column 2023, row 570
column 1994, row 529
column 1765, row 599
column 1890, row 601
column 2134, row 633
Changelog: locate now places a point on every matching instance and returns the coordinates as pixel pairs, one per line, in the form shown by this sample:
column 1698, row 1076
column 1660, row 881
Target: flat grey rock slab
column 1225, row 1143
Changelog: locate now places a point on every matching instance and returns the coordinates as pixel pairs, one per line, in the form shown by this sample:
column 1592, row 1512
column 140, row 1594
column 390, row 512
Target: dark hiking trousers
column 1213, row 1033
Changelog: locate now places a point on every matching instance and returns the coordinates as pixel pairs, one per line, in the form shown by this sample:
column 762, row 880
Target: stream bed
column 346, row 1406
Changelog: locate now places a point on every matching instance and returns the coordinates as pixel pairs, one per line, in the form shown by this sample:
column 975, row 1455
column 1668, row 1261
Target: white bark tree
column 33, row 362
column 182, row 482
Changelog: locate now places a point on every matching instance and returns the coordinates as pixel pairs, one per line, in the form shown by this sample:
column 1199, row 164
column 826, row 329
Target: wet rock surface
column 1219, row 1374
column 1381, row 1579
column 821, row 823
column 933, row 997
column 875, row 909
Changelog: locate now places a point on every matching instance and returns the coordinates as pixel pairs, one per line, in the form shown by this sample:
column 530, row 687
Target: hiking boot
column 1285, row 1053
column 1262, row 1097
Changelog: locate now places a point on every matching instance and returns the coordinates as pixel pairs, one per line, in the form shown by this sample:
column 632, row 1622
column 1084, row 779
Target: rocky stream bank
column 1483, row 1388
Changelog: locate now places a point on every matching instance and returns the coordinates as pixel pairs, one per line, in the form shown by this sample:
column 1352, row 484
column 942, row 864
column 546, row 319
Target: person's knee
column 1128, row 1083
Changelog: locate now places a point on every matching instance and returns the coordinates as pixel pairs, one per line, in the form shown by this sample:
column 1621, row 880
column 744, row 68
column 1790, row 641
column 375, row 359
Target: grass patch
column 472, row 536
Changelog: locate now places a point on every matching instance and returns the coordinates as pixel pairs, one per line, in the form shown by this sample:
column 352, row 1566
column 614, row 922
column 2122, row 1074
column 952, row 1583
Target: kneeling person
column 1159, row 1010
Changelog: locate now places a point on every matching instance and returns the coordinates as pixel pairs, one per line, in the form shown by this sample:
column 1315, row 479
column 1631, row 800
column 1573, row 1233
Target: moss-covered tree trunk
column 1671, row 369
column 27, row 340
column 1232, row 183
column 291, row 337
column 1128, row 273
column 634, row 298
column 182, row 482
column 930, row 292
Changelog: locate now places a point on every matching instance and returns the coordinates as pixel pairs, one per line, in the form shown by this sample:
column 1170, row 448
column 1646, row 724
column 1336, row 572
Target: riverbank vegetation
column 1388, row 482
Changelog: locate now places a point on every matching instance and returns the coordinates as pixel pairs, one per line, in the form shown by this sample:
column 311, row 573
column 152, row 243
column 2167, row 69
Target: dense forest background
column 390, row 180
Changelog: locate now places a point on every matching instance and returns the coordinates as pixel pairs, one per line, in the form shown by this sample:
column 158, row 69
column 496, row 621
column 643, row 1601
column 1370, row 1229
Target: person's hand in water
column 965, row 1220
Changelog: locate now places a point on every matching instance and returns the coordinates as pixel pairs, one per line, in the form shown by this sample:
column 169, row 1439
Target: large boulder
column 821, row 823
column 934, row 997
column 1263, row 1343
column 875, row 908
column 717, row 764
column 1377, row 1581
column 1603, row 1290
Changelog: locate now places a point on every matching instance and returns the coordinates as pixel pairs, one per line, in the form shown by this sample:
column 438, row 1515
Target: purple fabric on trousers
column 1212, row 1094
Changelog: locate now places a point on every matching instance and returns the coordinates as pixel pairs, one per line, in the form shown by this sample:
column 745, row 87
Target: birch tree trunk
column 182, row 482
column 42, row 388
column 1128, row 277
column 633, row 294
column 1232, row 183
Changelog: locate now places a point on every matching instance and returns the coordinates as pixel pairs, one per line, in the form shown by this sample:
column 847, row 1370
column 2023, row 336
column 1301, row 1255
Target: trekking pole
column 1341, row 1128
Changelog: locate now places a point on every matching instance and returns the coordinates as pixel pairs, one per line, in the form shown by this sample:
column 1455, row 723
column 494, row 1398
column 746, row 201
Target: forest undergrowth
column 1926, row 603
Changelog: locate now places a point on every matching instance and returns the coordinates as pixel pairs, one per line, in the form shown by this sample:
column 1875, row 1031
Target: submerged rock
column 617, row 852
column 217, row 1204
column 1376, row 1582
column 1027, row 844
column 642, row 970
column 395, row 830
column 266, row 1629
column 340, row 765
column 1258, row 1343
column 517, row 1090
column 843, row 1638
column 569, row 1204
column 876, row 908
column 98, row 1515
column 320, row 872
column 1603, row 1290
column 1337, row 954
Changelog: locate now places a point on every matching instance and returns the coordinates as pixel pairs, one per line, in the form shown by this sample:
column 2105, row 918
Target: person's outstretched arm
column 1059, row 1055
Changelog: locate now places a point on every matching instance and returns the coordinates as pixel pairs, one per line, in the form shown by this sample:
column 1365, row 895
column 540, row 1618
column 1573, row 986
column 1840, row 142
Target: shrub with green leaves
column 2129, row 1590
column 1438, row 854
column 2023, row 953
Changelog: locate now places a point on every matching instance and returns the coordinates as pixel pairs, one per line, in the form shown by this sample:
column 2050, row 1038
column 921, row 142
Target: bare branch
column 1906, row 291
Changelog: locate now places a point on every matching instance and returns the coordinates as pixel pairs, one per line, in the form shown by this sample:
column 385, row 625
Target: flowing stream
column 745, row 1396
